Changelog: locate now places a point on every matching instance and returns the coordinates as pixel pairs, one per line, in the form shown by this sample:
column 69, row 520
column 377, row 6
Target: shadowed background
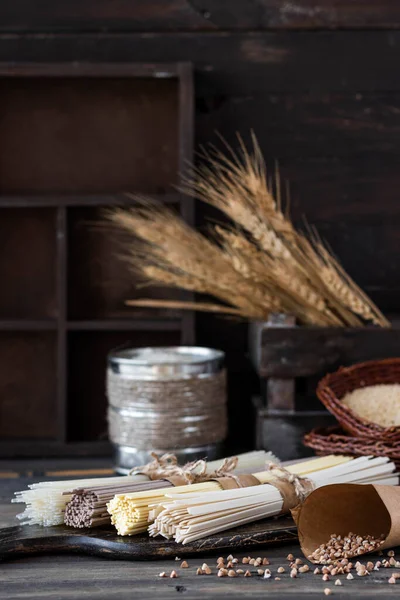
column 317, row 83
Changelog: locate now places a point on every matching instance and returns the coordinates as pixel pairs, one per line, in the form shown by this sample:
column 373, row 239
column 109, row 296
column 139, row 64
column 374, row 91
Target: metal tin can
column 166, row 399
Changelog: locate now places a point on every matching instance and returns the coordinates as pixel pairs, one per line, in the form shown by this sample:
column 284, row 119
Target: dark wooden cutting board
column 17, row 542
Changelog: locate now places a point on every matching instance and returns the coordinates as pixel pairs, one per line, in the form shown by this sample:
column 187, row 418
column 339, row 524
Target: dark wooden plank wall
column 317, row 81
column 196, row 15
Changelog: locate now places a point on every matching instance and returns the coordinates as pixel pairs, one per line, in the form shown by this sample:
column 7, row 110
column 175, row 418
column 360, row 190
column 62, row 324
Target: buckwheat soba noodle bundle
column 130, row 511
column 82, row 502
column 192, row 516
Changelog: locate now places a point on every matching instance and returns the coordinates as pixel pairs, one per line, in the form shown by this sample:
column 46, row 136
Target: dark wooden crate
column 290, row 360
column 75, row 137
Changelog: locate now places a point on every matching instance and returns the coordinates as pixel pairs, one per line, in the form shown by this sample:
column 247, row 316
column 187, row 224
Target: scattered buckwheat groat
column 221, row 573
column 304, row 569
column 267, row 574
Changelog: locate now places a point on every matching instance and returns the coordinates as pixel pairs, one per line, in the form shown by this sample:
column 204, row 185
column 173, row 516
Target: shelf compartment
column 99, row 280
column 87, row 362
column 28, row 264
column 28, row 385
column 88, row 135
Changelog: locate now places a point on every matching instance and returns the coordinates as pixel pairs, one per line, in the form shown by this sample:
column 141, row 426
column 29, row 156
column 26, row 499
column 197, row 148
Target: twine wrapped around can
column 166, row 399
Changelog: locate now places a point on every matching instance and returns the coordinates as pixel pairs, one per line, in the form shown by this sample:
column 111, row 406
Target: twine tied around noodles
column 293, row 488
column 166, row 467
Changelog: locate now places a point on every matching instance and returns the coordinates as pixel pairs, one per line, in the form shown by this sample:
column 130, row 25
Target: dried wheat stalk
column 261, row 264
column 173, row 254
column 185, row 305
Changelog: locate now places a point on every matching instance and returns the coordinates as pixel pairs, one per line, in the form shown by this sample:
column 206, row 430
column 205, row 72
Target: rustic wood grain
column 281, row 392
column 282, row 431
column 196, row 15
column 306, row 351
column 17, row 542
column 345, row 127
column 236, row 63
column 74, row 577
column 299, row 14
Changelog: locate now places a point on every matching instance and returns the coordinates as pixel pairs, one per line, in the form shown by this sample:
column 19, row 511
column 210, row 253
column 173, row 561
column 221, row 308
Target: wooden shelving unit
column 73, row 139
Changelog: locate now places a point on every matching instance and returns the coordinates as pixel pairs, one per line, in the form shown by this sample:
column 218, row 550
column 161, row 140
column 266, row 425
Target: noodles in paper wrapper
column 340, row 508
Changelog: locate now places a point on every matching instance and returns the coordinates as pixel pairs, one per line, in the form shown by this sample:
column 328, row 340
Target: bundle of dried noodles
column 46, row 502
column 88, row 505
column 192, row 516
column 131, row 512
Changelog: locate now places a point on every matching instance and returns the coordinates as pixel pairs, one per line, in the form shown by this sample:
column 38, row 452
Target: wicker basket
column 334, row 386
column 333, row 440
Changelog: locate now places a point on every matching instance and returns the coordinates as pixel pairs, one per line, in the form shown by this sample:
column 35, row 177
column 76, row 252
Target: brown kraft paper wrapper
column 343, row 507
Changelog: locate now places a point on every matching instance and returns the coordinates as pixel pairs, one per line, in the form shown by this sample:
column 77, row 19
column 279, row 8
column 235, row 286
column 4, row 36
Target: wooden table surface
column 81, row 577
